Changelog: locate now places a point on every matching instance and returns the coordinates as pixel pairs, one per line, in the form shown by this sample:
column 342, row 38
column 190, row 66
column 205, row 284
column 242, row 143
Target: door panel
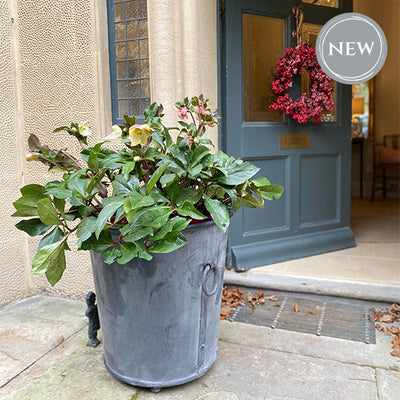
column 312, row 161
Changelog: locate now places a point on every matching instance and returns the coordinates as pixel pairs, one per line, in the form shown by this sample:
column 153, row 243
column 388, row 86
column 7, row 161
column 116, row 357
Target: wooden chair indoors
column 386, row 165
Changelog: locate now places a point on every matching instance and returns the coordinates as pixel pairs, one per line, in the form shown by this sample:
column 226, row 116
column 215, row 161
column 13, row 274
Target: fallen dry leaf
column 396, row 352
column 296, row 308
column 391, row 315
column 313, row 313
column 393, row 330
column 272, row 297
column 251, row 311
column 232, row 298
column 319, row 308
column 396, row 341
column 326, row 319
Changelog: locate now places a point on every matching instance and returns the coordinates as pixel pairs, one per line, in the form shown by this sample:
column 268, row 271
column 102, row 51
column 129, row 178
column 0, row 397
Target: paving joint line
column 56, row 345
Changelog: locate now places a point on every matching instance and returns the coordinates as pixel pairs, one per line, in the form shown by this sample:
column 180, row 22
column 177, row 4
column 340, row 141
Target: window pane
column 119, row 12
column 122, row 89
column 133, row 69
column 120, row 31
column 142, row 8
column 134, row 90
column 120, row 50
column 144, row 48
column 132, row 30
column 144, row 104
column 326, row 3
column 144, row 68
column 133, row 50
column 145, row 88
column 131, row 9
column 143, row 28
column 134, row 107
column 263, row 45
column 123, row 107
column 121, row 70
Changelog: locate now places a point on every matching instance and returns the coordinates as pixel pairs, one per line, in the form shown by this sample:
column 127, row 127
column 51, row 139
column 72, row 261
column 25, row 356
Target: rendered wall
column 183, row 53
column 12, row 242
column 54, row 70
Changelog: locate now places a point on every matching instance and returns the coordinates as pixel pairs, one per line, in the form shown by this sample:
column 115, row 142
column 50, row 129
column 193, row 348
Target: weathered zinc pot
column 159, row 318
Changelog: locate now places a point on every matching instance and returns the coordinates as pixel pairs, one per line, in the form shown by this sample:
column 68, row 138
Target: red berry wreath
column 320, row 96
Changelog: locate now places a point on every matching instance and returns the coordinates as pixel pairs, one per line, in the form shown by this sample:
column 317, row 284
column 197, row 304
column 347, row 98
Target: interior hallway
column 371, row 269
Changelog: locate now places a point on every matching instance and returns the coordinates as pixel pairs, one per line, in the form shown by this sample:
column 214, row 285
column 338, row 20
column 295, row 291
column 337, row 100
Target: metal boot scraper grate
column 320, row 315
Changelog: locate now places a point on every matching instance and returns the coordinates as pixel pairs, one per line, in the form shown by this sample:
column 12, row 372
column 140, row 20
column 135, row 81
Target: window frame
column 116, row 118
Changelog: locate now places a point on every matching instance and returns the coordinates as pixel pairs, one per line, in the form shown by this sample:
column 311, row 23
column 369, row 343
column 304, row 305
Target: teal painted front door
column 312, row 160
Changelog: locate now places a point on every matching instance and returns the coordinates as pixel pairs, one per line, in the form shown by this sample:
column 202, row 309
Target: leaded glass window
column 129, row 57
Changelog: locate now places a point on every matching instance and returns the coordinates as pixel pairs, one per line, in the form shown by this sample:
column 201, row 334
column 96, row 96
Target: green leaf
column 100, row 244
column 138, row 233
column 85, row 229
column 162, row 166
column 188, row 194
column 128, row 252
column 231, row 192
column 167, row 247
column 110, row 255
column 198, row 154
column 166, row 179
column 26, row 205
column 50, row 259
column 107, row 212
column 33, row 227
column 34, row 191
column 187, row 209
column 123, row 187
column 195, row 171
column 218, row 212
column 47, row 212
column 54, row 236
column 171, row 229
column 262, row 181
column 238, row 173
column 127, row 169
column 60, row 205
column 251, row 201
column 59, row 193
column 155, row 216
column 271, row 192
column 93, row 161
column 78, row 185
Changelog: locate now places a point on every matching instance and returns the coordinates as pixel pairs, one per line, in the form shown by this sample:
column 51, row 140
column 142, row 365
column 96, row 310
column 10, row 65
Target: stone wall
column 54, row 70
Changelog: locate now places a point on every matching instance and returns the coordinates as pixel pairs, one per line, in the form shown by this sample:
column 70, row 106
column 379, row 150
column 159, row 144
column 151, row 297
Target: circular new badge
column 351, row 48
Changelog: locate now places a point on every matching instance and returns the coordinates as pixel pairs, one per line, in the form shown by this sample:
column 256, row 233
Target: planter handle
column 206, row 271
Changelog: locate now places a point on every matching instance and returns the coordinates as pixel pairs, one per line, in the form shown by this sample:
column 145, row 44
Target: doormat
column 320, row 317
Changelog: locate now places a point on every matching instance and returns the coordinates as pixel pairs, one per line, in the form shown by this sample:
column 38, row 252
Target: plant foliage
column 138, row 200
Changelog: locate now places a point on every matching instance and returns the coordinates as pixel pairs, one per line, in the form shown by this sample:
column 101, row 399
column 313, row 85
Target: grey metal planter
column 159, row 319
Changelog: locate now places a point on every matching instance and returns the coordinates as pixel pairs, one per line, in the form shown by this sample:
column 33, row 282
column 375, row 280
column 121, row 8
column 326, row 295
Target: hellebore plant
column 135, row 201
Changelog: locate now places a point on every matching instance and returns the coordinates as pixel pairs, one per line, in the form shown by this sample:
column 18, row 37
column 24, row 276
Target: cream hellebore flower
column 84, row 129
column 117, row 131
column 31, row 157
column 139, row 133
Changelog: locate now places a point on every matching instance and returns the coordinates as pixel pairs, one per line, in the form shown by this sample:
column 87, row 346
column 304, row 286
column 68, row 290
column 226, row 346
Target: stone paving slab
column 32, row 327
column 254, row 363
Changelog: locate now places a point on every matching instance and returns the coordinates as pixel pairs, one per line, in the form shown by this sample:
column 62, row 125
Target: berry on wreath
column 320, row 96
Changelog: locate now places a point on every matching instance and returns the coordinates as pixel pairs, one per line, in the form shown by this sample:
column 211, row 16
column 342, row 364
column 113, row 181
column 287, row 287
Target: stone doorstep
column 303, row 284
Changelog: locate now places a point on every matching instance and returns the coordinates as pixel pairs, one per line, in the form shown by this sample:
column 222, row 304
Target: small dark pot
column 159, row 319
